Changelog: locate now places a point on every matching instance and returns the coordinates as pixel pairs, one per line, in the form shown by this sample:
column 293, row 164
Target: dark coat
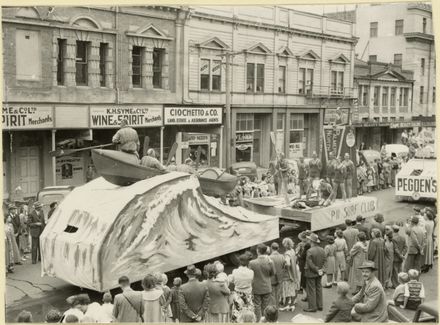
column 128, row 306
column 400, row 247
column 376, row 253
column 340, row 311
column 279, row 263
column 34, row 218
column 194, row 301
column 371, row 303
column 16, row 223
column 263, row 270
column 363, row 228
column 314, row 262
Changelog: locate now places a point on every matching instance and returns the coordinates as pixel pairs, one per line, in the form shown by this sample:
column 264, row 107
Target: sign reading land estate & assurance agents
column 192, row 115
column 111, row 116
column 22, row 116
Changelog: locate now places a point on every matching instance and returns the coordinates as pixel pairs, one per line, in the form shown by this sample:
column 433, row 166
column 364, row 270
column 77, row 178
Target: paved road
column 26, row 289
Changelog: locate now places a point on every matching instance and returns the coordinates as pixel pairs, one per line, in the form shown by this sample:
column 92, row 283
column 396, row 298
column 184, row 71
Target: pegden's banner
column 24, row 116
column 192, row 115
column 417, row 186
column 111, row 116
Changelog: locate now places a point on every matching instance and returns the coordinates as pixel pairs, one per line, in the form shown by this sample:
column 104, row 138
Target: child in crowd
column 247, row 316
column 340, row 310
column 107, row 308
column 414, row 291
column 398, row 295
column 330, row 261
column 24, row 317
column 370, row 179
column 175, row 306
column 270, row 315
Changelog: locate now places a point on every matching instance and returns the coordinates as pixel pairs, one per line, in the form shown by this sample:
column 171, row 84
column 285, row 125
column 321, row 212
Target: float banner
column 336, row 213
column 20, row 117
column 426, row 187
column 192, row 115
column 111, row 116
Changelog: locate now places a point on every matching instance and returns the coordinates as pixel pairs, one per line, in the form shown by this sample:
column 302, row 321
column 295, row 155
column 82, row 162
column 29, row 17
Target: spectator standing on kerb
column 400, row 249
column 351, row 237
column 416, row 245
column 128, row 306
column 313, row 272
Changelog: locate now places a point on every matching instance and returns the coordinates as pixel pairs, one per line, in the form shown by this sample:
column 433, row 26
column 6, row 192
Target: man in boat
column 127, row 139
column 187, row 167
column 151, row 161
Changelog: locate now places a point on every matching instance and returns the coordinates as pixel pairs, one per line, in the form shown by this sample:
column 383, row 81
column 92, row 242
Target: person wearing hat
column 15, row 220
column 52, row 207
column 301, row 252
column 193, row 297
column 314, row 270
column 128, row 306
column 371, row 301
column 416, row 245
column 127, row 139
column 400, row 249
column 360, row 225
column 279, row 264
column 150, row 160
column 378, row 223
column 36, row 226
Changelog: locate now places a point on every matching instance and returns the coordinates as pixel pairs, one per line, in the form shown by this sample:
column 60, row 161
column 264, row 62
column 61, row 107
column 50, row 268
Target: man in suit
column 400, row 249
column 416, row 245
column 193, row 298
column 36, row 226
column 313, row 272
column 278, row 262
column 360, row 225
column 16, row 223
column 261, row 284
column 350, row 235
column 128, row 306
column 370, row 302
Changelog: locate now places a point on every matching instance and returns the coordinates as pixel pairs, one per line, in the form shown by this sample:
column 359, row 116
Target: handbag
column 137, row 311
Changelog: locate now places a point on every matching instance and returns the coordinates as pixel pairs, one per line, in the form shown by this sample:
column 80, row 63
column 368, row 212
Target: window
column 393, row 97
column 60, row 61
column 392, row 118
column 28, row 55
column 403, row 96
column 337, row 82
column 210, row 69
column 158, row 55
column 204, row 74
column 372, row 58
column 384, row 96
column 373, row 29
column 216, row 75
column 422, row 90
column 103, row 47
column 424, row 25
column 296, row 128
column 136, row 76
column 433, row 94
column 82, row 63
column 422, row 66
column 398, row 59
column 305, row 81
column 399, row 27
column 281, row 119
column 376, row 96
column 365, row 96
column 255, row 77
column 384, row 119
column 281, row 79
column 245, row 122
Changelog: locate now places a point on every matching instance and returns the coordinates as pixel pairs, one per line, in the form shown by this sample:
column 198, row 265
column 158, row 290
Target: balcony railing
column 328, row 91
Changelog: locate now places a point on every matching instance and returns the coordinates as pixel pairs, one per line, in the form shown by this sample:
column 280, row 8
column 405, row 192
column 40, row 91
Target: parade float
column 102, row 231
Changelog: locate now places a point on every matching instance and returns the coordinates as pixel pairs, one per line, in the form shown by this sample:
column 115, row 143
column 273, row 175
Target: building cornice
column 419, row 37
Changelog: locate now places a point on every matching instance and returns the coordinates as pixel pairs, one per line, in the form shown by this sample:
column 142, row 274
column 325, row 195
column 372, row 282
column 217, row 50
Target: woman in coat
column 218, row 311
column 153, row 300
column 358, row 254
column 429, row 248
column 291, row 277
column 376, row 253
column 389, row 258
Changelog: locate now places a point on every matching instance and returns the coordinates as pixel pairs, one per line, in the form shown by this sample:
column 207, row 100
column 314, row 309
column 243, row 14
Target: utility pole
column 228, row 112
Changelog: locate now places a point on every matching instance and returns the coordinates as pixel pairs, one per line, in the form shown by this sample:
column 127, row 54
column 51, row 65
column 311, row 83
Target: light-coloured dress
column 330, row 259
column 341, row 250
column 290, row 282
column 429, row 249
column 358, row 255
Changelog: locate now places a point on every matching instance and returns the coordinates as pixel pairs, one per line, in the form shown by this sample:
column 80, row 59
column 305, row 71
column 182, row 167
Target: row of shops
column 30, row 132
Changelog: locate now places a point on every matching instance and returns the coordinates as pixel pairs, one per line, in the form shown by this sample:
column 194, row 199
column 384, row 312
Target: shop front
column 197, row 130
column 374, row 134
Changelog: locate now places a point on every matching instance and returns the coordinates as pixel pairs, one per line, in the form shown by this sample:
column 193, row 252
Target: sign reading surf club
column 192, row 115
column 137, row 116
column 27, row 117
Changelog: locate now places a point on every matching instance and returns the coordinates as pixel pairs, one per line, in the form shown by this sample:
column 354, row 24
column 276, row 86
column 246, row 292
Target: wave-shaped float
column 101, row 231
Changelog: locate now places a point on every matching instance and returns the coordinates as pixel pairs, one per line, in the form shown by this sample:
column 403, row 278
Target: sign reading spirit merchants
column 22, row 116
column 183, row 115
column 137, row 116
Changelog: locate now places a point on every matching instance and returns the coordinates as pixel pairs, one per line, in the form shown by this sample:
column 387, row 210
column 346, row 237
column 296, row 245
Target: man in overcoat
column 193, row 298
column 36, row 227
column 313, row 272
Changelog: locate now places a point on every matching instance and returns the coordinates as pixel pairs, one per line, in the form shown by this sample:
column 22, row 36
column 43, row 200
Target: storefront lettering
column 24, row 117
column 136, row 116
column 244, row 137
column 420, row 185
column 193, row 115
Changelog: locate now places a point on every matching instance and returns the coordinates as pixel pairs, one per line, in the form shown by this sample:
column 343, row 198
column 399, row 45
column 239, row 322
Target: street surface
column 26, row 289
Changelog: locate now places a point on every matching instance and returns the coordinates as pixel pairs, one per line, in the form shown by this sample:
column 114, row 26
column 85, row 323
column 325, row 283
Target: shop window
column 422, row 66
column 398, row 59
column 82, row 63
column 337, row 82
column 255, row 77
column 60, row 61
column 372, row 58
column 376, row 96
column 384, row 97
column 422, row 92
column 399, row 27
column 281, row 79
column 245, row 122
column 158, row 55
column 136, row 66
column 296, row 135
column 28, row 55
column 373, row 29
column 305, row 81
column 103, row 48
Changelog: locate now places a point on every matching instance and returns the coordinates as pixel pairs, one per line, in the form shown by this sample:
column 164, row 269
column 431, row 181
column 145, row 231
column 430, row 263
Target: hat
column 367, row 265
column 359, row 218
column 12, row 206
column 303, row 234
column 330, row 239
column 417, row 209
column 191, row 270
column 313, row 238
column 396, row 227
column 38, row 204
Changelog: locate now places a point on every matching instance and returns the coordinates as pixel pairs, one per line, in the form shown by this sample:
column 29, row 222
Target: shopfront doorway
column 28, row 159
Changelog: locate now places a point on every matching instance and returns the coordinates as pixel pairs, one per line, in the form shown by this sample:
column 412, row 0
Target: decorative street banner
column 333, row 139
column 70, row 170
column 111, row 116
column 416, row 186
column 192, row 115
column 22, row 116
column 336, row 213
